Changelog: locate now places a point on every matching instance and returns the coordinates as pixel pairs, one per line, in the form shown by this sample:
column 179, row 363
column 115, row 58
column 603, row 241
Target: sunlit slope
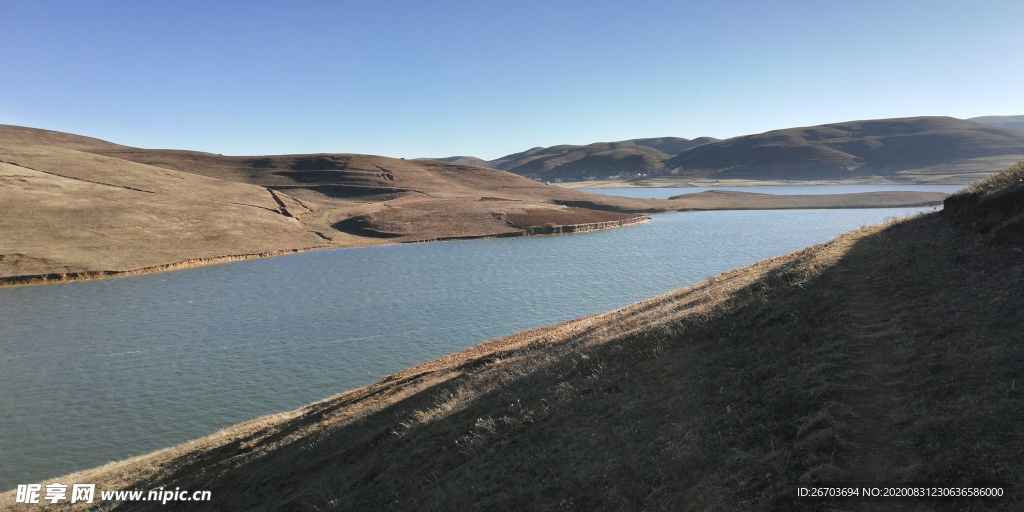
column 364, row 178
column 80, row 207
column 378, row 197
column 77, row 207
column 888, row 354
column 67, row 211
column 20, row 136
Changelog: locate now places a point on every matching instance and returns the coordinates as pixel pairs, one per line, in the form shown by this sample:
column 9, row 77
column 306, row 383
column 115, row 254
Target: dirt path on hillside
column 872, row 333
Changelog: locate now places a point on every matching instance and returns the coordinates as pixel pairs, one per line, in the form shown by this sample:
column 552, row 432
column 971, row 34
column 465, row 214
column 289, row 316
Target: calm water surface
column 97, row 371
column 665, row 193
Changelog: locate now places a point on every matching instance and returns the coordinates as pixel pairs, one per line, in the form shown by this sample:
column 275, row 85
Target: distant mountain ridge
column 599, row 160
column 884, row 147
column 472, row 160
column 911, row 149
column 1009, row 122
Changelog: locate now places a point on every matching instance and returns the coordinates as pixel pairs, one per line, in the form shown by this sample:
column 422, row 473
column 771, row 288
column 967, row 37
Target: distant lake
column 97, row 371
column 665, row 193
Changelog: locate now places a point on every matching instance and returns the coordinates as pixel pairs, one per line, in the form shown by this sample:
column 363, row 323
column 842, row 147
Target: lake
column 98, row 371
column 665, row 193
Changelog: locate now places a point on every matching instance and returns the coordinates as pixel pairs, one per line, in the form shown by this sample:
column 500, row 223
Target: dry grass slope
column 901, row 150
column 889, row 353
column 598, row 159
column 77, row 207
column 913, row 149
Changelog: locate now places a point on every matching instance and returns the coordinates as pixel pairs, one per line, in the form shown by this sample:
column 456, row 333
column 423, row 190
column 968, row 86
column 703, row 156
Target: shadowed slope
column 471, row 160
column 890, row 352
column 908, row 150
column 601, row 159
column 916, row 148
column 673, row 145
column 575, row 161
column 1008, row 122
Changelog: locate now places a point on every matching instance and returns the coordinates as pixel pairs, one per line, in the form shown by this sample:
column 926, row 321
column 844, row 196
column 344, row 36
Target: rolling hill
column 903, row 150
column 602, row 159
column 471, row 160
column 77, row 207
column 889, row 354
column 579, row 161
column 1009, row 122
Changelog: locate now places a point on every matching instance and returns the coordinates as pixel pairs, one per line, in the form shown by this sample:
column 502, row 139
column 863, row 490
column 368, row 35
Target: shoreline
column 86, row 275
column 90, row 275
column 697, row 183
column 717, row 204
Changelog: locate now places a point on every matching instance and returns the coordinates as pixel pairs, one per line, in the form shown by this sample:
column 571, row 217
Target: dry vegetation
column 1006, row 183
column 911, row 149
column 902, row 150
column 528, row 218
column 891, row 353
column 76, row 207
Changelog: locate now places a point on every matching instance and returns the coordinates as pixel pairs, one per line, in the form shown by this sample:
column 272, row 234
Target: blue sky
column 414, row 79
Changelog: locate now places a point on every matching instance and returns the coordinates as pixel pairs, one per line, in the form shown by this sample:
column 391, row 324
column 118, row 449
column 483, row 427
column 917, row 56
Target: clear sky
column 488, row 78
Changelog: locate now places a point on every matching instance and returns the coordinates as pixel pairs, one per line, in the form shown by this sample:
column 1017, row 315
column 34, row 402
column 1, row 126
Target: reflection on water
column 101, row 370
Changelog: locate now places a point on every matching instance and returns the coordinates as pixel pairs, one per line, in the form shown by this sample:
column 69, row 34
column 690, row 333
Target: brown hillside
column 76, row 207
column 576, row 161
column 673, row 145
column 939, row 150
column 471, row 160
column 601, row 159
column 888, row 354
column 20, row 135
column 69, row 212
column 1009, row 122
column 904, row 149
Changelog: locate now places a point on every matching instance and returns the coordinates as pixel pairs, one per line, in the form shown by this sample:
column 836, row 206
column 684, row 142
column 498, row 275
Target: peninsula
column 77, row 207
